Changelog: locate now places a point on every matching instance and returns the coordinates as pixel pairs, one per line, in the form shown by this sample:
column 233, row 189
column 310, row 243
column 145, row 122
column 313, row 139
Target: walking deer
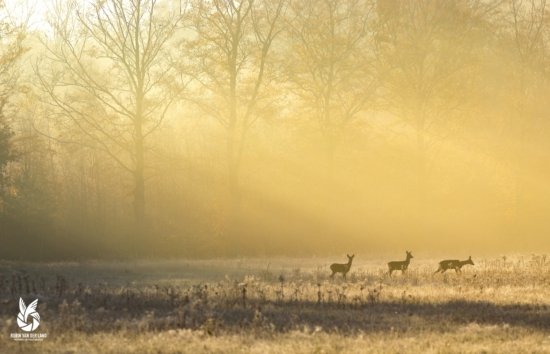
column 453, row 264
column 400, row 265
column 342, row 268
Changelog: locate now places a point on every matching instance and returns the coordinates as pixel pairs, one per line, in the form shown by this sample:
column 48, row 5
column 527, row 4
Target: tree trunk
column 139, row 180
column 233, row 162
column 421, row 152
column 331, row 144
column 139, row 195
column 421, row 202
column 233, row 155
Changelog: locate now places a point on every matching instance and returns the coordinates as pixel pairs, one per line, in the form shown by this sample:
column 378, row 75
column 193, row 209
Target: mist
column 202, row 129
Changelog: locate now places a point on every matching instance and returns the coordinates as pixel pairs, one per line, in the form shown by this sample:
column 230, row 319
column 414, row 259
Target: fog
column 150, row 129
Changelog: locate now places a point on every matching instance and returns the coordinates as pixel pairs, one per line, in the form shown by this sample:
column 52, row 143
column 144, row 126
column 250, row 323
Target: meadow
column 283, row 305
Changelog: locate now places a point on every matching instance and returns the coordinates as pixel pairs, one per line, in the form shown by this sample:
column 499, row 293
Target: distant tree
column 330, row 63
column 232, row 67
column 524, row 30
column 109, row 79
column 11, row 50
column 427, row 62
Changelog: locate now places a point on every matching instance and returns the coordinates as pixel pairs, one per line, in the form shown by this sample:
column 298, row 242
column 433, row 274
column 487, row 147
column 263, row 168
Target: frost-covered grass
column 464, row 339
column 280, row 306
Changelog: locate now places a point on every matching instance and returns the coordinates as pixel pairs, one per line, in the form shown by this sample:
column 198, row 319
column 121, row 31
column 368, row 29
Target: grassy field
column 280, row 306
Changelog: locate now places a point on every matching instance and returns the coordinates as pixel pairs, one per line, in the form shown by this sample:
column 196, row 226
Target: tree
column 330, row 63
column 232, row 68
column 110, row 77
column 427, row 52
column 524, row 36
column 11, row 50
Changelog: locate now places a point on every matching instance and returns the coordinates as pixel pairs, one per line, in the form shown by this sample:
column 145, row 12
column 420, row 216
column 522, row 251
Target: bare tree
column 330, row 64
column 232, row 68
column 11, row 50
column 109, row 77
column 427, row 60
column 524, row 31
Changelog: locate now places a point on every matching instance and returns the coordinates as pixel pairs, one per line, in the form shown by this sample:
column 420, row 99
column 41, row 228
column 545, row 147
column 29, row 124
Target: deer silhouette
column 400, row 265
column 453, row 264
column 342, row 267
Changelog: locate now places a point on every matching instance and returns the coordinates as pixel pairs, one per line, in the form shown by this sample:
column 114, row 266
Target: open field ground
column 279, row 306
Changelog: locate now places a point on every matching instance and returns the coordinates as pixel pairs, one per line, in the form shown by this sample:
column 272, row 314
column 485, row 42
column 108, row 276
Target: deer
column 342, row 268
column 453, row 264
column 400, row 265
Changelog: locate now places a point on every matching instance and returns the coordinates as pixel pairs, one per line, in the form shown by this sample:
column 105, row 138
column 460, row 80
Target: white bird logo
column 24, row 313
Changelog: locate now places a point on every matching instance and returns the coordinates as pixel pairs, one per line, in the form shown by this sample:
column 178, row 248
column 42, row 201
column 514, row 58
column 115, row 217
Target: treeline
column 155, row 128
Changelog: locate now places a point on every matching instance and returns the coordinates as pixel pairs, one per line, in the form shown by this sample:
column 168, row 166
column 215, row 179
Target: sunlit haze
column 206, row 129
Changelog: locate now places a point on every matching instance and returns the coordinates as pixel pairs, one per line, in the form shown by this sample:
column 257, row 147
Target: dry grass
column 280, row 306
